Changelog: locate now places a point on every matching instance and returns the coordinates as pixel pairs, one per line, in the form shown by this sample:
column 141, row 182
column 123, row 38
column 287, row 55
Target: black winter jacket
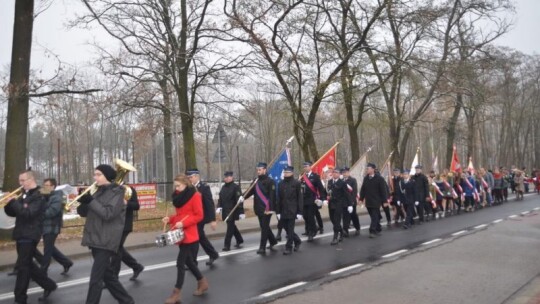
column 228, row 197
column 289, row 198
column 29, row 211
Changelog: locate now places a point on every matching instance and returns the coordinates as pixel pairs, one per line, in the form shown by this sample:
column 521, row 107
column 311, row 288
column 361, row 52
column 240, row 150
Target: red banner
column 326, row 162
column 147, row 195
column 455, row 166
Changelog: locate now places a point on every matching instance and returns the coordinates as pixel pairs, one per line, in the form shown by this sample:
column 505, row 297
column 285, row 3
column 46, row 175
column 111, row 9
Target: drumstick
column 185, row 217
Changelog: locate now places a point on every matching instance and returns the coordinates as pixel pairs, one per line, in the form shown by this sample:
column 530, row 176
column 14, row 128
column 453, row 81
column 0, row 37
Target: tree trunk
column 186, row 110
column 167, row 136
column 346, row 86
column 451, row 131
column 18, row 101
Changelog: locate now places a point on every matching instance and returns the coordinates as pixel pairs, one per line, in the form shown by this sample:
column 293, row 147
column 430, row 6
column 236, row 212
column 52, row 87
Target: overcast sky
column 71, row 45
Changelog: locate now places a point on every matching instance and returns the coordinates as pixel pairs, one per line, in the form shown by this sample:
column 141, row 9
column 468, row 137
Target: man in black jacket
column 52, row 225
column 123, row 255
column 408, row 195
column 264, row 204
column 29, row 211
column 338, row 200
column 105, row 213
column 314, row 194
column 422, row 191
column 209, row 210
column 229, row 196
column 352, row 188
column 374, row 194
column 289, row 207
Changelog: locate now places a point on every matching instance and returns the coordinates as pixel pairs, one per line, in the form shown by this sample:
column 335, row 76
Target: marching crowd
column 406, row 199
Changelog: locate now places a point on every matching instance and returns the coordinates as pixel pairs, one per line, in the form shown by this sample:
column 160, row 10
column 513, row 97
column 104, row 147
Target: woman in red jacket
column 189, row 212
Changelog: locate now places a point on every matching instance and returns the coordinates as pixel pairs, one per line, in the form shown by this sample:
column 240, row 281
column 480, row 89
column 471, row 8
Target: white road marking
column 394, row 253
column 346, row 269
column 282, row 289
column 480, row 226
column 513, row 216
column 497, row 221
column 432, row 241
column 537, row 208
column 459, row 232
column 525, row 212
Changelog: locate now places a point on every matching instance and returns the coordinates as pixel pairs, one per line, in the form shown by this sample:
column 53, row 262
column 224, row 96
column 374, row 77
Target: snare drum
column 170, row 238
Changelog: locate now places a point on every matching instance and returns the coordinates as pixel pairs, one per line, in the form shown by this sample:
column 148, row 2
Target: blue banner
column 276, row 171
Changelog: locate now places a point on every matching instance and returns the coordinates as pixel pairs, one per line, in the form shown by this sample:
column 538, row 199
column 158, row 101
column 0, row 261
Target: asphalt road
column 242, row 276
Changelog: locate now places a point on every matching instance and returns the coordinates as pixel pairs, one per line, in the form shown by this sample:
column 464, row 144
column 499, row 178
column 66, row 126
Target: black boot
column 335, row 239
column 340, row 239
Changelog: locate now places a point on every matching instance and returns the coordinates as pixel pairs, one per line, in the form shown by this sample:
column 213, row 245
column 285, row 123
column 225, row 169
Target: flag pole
column 255, row 181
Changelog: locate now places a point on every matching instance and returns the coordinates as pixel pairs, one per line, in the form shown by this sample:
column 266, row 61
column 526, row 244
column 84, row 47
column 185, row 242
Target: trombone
column 13, row 195
column 122, row 169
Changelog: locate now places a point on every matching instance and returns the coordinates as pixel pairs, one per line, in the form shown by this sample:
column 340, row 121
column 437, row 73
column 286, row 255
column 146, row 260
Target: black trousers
column 232, row 230
column 336, row 216
column 309, row 217
column 28, row 269
column 123, row 256
column 399, row 211
column 288, row 225
column 387, row 213
column 319, row 218
column 375, row 216
column 186, row 257
column 266, row 231
column 205, row 243
column 409, row 207
column 50, row 251
column 348, row 217
column 102, row 272
column 420, row 210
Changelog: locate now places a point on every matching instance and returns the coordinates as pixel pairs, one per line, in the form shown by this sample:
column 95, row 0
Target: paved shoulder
column 488, row 265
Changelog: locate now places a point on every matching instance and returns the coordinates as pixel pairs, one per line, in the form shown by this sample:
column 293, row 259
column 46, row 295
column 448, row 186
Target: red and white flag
column 325, row 162
column 455, row 166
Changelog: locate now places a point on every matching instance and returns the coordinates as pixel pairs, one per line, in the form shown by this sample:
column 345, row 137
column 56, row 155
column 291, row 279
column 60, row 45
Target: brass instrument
column 13, row 195
column 122, row 169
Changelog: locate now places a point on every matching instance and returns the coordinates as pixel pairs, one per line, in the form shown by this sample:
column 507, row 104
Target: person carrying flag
column 264, row 193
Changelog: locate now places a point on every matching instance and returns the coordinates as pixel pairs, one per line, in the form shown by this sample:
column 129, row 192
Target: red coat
column 192, row 213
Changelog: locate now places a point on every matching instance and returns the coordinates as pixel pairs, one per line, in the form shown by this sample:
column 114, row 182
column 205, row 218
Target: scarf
column 181, row 198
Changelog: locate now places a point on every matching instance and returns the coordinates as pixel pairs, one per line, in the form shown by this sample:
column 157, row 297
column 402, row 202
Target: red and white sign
column 146, row 194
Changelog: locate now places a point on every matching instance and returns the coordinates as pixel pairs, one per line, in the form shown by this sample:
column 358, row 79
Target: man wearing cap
column 289, row 205
column 408, row 196
column 105, row 213
column 313, row 195
column 339, row 199
column 209, row 211
column 422, row 191
column 374, row 194
column 397, row 196
column 264, row 193
column 230, row 195
column 352, row 188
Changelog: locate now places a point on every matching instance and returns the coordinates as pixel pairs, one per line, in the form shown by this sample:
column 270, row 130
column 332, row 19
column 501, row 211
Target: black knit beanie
column 108, row 172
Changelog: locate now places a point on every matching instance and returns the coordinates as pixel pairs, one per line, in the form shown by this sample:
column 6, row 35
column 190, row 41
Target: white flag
column 415, row 161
